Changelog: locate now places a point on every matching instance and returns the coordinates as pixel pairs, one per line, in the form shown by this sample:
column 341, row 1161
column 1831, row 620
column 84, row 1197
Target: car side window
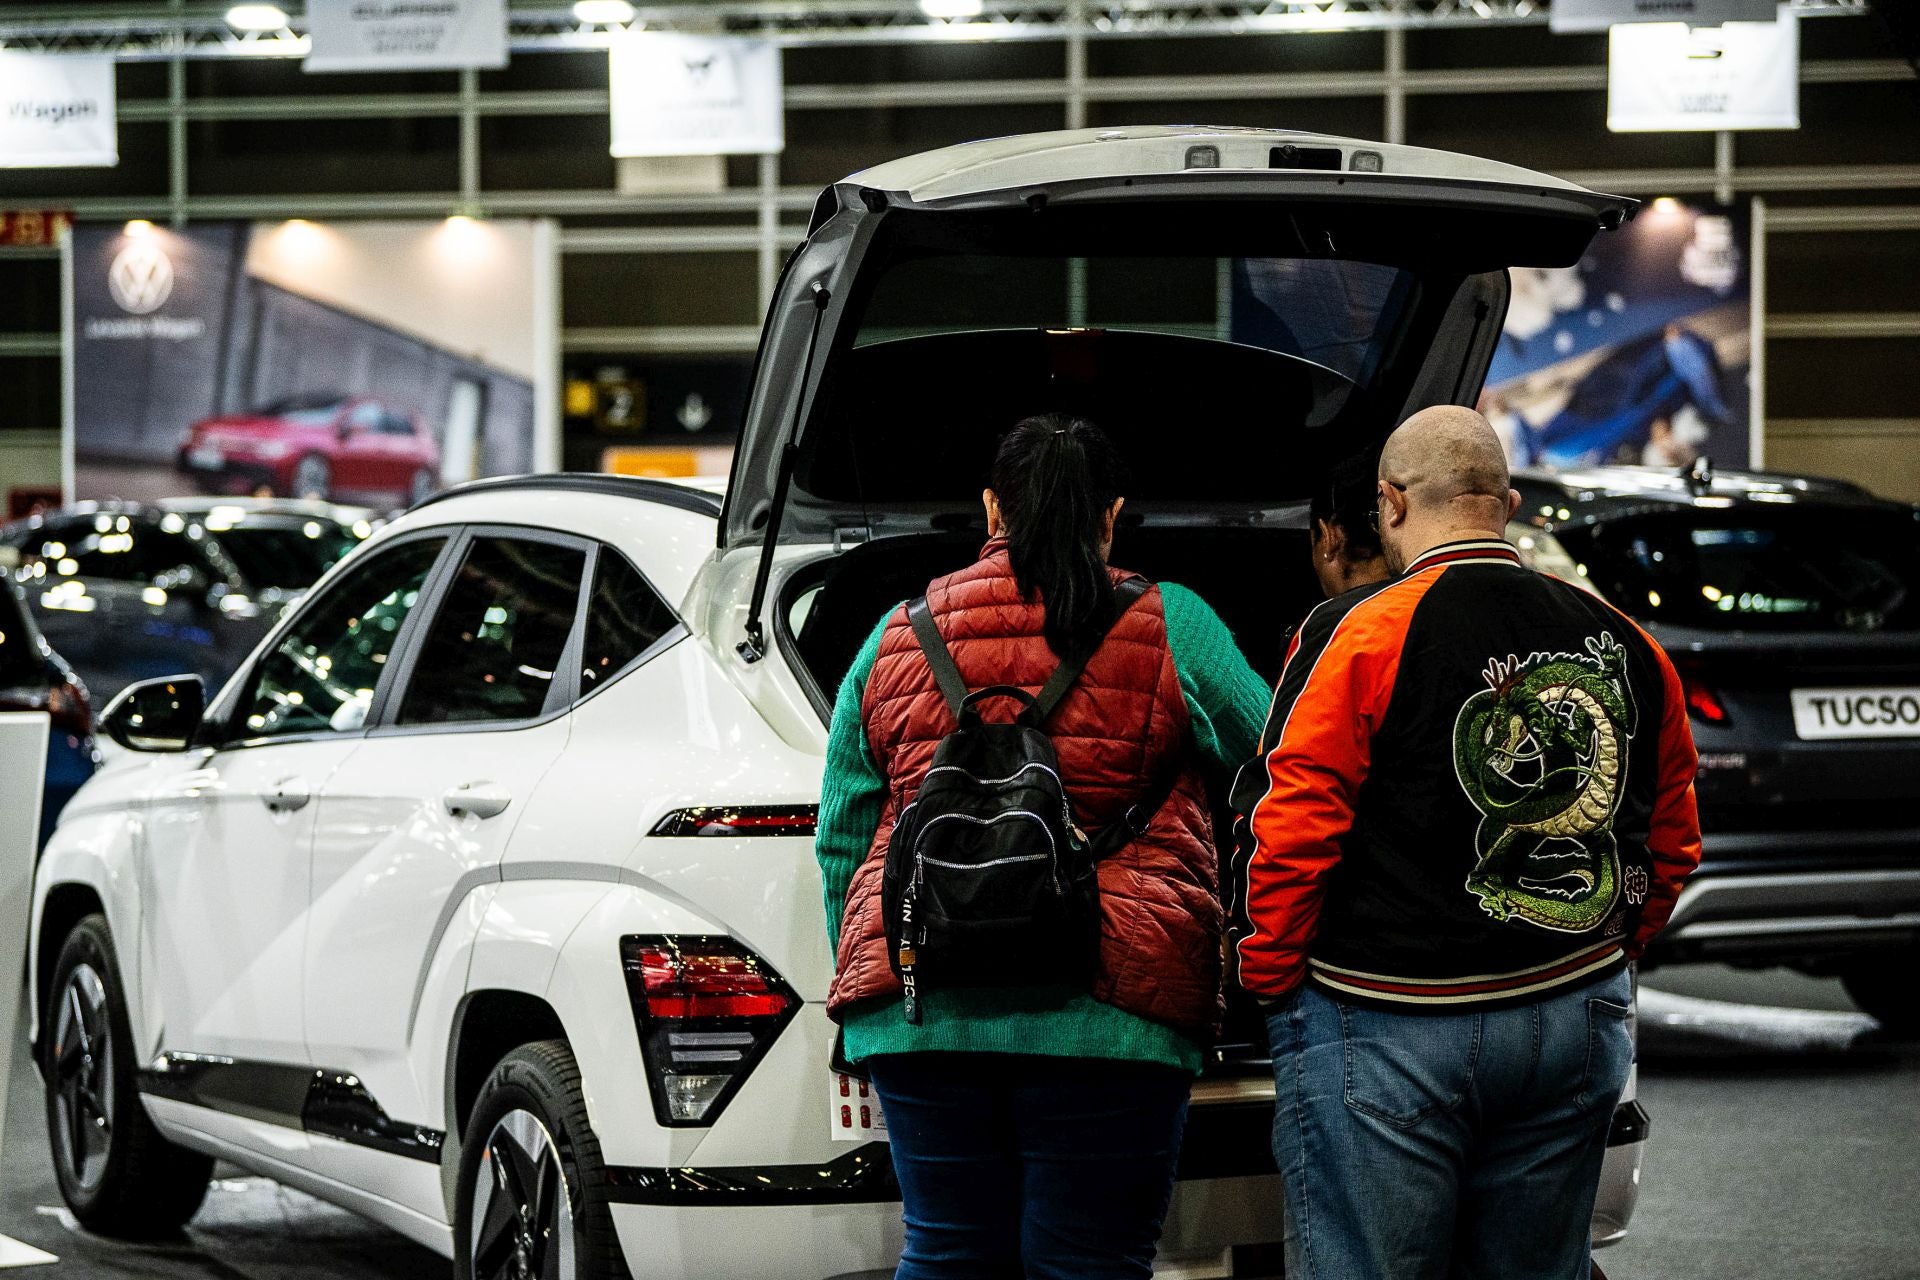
column 495, row 647
column 322, row 675
column 396, row 424
column 625, row 618
column 366, row 417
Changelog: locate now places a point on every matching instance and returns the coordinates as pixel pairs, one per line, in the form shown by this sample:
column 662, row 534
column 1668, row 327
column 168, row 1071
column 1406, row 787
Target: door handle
column 482, row 799
column 288, row 794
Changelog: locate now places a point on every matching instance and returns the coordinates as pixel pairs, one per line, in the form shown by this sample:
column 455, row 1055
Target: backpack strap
column 952, row 685
column 1125, row 593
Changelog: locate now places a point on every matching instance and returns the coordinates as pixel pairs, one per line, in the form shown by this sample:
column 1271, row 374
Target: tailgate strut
column 754, row 647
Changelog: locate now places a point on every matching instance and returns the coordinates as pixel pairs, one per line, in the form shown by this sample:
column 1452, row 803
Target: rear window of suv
column 1335, row 313
column 1791, row 569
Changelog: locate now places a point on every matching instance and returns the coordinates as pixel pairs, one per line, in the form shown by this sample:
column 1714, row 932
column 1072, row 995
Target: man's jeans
column 1423, row 1146
column 1049, row 1168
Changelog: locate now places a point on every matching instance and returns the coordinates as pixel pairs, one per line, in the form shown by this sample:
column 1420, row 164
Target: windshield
column 285, row 557
column 1794, row 569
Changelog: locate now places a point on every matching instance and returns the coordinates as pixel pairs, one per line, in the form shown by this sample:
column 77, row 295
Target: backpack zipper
column 921, row 859
column 993, row 782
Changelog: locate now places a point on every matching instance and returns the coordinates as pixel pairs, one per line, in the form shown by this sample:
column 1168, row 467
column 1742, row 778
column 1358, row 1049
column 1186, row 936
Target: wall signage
column 56, row 112
column 690, row 95
column 394, row 35
column 1666, row 76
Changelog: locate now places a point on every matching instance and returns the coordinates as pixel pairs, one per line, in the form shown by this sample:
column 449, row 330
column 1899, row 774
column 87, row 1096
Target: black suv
column 1791, row 607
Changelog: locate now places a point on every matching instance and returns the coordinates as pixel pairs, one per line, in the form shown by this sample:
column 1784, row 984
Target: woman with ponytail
column 1035, row 1126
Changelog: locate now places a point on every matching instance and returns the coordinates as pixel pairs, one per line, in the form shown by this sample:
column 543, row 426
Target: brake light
column 1703, row 704
column 707, row 1010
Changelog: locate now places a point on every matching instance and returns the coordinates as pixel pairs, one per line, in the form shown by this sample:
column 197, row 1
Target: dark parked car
column 1791, row 607
column 35, row 678
column 342, row 447
column 128, row 591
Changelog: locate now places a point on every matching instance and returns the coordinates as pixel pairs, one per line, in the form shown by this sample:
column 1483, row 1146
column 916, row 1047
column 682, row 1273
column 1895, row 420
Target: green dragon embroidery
column 1541, row 752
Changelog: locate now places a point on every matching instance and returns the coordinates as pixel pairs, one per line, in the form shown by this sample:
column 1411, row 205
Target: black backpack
column 988, row 882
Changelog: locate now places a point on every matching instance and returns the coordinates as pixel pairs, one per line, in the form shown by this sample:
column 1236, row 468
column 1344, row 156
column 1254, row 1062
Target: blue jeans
column 1429, row 1146
column 1012, row 1165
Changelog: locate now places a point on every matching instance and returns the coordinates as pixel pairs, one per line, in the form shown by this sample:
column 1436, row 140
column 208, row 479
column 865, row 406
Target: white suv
column 482, row 900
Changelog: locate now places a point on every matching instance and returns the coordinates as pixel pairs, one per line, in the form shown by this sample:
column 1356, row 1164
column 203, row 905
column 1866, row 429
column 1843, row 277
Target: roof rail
column 662, row 492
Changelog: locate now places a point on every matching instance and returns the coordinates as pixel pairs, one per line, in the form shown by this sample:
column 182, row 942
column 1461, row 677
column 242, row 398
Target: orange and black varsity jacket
column 1475, row 786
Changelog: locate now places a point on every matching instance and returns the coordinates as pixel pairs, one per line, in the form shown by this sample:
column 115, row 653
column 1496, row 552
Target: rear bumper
column 1769, row 915
column 843, row 1220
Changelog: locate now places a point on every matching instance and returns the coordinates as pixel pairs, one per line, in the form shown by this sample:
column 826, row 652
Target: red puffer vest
column 1114, row 732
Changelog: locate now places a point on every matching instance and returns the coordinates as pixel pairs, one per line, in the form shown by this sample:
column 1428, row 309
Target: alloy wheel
column 522, row 1214
column 82, row 1068
column 312, row 477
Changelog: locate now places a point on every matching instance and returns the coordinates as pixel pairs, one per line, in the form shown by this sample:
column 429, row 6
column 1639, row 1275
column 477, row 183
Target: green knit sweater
column 1226, row 701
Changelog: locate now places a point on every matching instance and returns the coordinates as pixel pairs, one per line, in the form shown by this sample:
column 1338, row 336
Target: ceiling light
column 953, row 8
column 602, row 13
column 139, row 227
column 257, row 17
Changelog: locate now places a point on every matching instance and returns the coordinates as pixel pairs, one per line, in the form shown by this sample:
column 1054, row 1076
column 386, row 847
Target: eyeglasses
column 1373, row 517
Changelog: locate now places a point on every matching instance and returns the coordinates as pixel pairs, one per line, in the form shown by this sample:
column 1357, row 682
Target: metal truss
column 173, row 29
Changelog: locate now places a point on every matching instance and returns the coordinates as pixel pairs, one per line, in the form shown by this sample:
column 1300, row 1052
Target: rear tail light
column 741, row 820
column 1703, row 704
column 708, row 1009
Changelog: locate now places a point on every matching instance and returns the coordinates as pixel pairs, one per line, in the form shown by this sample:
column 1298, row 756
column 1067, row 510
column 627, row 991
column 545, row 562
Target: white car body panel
column 1002, row 164
column 387, row 855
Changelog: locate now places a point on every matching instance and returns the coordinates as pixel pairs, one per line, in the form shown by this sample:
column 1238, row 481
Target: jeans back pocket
column 1609, row 1053
column 1402, row 1069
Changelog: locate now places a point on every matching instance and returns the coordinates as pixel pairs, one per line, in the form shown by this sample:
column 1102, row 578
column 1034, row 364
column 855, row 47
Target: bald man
column 1476, row 811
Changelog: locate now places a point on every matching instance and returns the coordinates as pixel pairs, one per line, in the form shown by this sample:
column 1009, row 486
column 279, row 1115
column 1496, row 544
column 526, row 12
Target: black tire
column 533, row 1099
column 1882, row 985
column 127, row 1180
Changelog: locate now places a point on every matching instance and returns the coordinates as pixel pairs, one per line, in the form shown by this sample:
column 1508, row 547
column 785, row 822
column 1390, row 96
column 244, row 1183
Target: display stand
column 23, row 766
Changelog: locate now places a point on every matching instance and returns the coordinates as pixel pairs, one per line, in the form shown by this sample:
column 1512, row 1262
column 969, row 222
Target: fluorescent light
column 602, row 13
column 257, row 17
column 953, row 8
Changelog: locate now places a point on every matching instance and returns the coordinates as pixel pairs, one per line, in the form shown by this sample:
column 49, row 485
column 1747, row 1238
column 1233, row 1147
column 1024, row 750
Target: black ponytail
column 1056, row 477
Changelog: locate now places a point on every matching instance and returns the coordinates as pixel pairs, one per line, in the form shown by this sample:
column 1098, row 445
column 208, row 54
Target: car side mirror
column 157, row 715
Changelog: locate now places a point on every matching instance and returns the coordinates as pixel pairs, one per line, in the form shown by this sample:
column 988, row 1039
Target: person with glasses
column 1473, row 809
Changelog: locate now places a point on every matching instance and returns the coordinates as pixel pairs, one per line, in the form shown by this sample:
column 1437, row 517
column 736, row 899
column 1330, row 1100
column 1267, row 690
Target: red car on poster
column 334, row 447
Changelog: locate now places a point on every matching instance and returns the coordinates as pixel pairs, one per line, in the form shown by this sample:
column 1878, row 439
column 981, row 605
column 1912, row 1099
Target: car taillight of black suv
column 1791, row 608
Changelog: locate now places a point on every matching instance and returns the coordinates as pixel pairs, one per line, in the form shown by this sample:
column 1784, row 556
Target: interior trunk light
column 707, row 1010
column 741, row 820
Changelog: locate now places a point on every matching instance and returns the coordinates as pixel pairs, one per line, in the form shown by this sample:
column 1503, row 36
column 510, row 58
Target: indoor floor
column 1785, row 1146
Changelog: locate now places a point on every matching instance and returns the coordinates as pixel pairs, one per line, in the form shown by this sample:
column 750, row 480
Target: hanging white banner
column 56, row 112
column 1665, row 76
column 688, row 95
column 394, row 35
column 1598, row 15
